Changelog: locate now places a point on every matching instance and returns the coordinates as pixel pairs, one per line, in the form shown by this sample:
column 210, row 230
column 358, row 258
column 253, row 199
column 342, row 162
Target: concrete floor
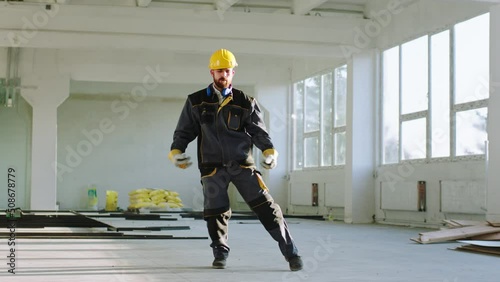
column 332, row 251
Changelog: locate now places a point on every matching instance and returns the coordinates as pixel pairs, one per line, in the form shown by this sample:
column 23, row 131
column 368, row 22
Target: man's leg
column 251, row 187
column 217, row 226
column 271, row 217
column 217, row 214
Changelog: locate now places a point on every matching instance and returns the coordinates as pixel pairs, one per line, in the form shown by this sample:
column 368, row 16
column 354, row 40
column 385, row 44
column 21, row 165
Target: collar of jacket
column 225, row 92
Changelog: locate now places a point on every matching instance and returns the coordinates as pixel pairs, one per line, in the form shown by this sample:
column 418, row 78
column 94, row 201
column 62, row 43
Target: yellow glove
column 270, row 159
column 179, row 159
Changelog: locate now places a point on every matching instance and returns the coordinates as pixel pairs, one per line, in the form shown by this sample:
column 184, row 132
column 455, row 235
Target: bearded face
column 222, row 77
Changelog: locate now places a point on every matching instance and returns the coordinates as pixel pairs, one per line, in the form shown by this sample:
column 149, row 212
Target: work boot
column 295, row 263
column 220, row 263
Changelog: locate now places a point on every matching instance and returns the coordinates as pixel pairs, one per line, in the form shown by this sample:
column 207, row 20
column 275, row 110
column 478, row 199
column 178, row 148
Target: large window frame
column 476, row 106
column 325, row 138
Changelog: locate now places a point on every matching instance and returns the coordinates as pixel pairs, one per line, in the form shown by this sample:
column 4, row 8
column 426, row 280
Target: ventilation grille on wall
column 463, row 196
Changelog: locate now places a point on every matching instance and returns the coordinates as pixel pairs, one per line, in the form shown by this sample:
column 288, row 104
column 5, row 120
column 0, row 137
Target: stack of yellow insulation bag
column 149, row 198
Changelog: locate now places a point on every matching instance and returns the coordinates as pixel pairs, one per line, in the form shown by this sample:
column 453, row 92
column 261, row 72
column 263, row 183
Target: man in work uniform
column 227, row 124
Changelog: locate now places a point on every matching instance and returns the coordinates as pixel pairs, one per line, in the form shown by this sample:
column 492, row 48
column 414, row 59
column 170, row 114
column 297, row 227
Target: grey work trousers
column 217, row 212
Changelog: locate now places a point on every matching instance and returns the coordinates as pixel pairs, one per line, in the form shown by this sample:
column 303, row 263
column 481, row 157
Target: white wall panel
column 401, row 196
column 334, row 194
column 463, row 196
column 301, row 193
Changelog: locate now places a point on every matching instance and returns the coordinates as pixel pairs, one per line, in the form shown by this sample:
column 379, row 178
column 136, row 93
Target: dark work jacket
column 226, row 132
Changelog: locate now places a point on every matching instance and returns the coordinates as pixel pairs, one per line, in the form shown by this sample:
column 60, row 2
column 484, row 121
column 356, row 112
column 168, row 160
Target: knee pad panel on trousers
column 215, row 212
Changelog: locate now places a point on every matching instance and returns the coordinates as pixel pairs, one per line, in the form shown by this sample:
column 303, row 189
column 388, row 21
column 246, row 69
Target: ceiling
column 298, row 7
column 349, row 8
column 284, row 28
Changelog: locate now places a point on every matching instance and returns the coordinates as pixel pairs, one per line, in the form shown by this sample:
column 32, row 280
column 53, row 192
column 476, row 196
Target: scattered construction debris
column 484, row 236
column 89, row 225
column 477, row 246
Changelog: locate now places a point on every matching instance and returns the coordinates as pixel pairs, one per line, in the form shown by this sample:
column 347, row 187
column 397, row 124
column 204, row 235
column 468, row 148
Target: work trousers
column 217, row 212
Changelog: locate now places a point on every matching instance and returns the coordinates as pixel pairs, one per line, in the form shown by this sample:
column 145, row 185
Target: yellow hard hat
column 222, row 59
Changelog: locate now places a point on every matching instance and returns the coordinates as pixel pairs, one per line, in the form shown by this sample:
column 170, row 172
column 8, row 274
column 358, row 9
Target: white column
column 493, row 189
column 49, row 91
column 360, row 155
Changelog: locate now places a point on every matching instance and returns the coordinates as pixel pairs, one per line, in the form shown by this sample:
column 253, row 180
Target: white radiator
column 301, row 194
column 400, row 196
column 463, row 196
column 334, row 194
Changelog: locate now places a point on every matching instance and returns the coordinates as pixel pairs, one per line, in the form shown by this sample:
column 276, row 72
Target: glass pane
column 327, row 120
column 440, row 94
column 298, row 122
column 472, row 59
column 340, row 147
column 313, row 91
column 471, row 132
column 413, row 139
column 311, row 154
column 390, row 114
column 414, row 75
column 340, row 95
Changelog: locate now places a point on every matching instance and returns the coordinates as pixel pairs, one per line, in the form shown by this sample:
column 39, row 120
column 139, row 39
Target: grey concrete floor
column 332, row 251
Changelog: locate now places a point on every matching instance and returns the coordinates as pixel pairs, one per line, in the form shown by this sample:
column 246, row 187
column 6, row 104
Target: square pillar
column 45, row 94
column 360, row 138
column 493, row 166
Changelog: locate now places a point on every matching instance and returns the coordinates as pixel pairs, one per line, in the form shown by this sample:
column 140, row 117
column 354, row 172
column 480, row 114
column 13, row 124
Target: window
column 440, row 98
column 390, row 113
column 435, row 92
column 319, row 117
column 471, row 85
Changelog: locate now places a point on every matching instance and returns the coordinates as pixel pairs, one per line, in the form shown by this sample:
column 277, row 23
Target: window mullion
column 470, row 105
column 400, row 147
column 428, row 138
column 321, row 122
column 453, row 149
column 304, row 125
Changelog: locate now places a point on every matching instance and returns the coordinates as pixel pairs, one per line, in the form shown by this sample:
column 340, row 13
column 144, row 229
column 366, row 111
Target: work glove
column 270, row 159
column 180, row 160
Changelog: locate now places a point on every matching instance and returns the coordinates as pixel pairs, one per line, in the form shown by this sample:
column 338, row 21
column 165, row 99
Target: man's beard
column 221, row 83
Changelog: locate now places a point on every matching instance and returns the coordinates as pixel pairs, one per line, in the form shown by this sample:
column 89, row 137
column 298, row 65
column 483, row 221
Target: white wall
column 432, row 173
column 121, row 144
column 15, row 148
column 300, row 194
column 420, row 18
column 3, row 62
column 120, row 150
column 273, row 98
column 303, row 68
